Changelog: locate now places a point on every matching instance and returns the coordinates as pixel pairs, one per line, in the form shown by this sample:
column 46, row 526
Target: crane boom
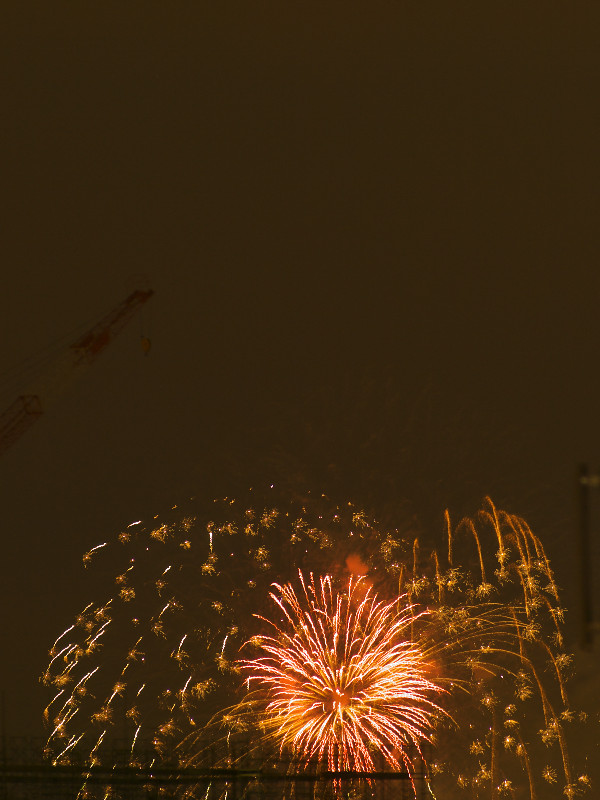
column 28, row 408
column 89, row 346
column 19, row 416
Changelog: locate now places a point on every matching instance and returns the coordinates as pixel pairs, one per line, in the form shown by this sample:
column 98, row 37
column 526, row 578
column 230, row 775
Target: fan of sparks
column 252, row 615
column 341, row 677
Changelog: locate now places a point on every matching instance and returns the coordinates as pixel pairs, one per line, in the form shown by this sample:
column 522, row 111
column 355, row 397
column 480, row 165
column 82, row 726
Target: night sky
column 371, row 230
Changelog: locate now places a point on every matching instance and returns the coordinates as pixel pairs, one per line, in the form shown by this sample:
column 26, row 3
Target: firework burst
column 459, row 644
column 341, row 677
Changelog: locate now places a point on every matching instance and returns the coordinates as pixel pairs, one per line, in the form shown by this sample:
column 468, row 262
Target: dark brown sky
column 372, row 233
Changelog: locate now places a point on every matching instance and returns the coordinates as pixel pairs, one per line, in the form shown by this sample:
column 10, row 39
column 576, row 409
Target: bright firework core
column 341, row 678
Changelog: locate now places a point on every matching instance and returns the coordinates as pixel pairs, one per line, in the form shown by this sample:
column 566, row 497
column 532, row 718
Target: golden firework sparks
column 472, row 633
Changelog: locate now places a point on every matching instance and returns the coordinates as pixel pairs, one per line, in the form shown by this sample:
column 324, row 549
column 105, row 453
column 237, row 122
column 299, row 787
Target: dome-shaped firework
column 342, row 643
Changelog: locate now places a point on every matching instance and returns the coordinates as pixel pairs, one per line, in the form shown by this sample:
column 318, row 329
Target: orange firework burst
column 341, row 677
